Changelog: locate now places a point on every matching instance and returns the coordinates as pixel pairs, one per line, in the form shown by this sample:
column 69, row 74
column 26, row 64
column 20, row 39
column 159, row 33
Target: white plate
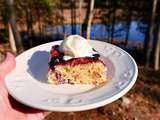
column 27, row 83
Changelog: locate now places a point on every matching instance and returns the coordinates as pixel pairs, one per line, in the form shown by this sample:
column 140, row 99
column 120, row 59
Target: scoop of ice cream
column 76, row 46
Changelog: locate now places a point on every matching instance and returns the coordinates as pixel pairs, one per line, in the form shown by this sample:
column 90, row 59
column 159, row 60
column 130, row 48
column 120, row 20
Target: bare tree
column 3, row 15
column 157, row 48
column 29, row 25
column 62, row 15
column 26, row 6
column 152, row 25
column 12, row 40
column 80, row 16
column 113, row 20
column 90, row 19
column 73, row 16
column 12, row 22
column 128, row 22
column 128, row 25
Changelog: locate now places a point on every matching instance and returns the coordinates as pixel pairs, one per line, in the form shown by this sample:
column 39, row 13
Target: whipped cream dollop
column 76, row 46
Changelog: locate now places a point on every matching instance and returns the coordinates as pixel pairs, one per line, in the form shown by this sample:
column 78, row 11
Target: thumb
column 7, row 65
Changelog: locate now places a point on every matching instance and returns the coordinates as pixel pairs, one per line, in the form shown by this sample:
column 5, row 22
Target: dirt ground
column 142, row 102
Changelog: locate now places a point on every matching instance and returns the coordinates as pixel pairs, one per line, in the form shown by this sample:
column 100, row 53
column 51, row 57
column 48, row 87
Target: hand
column 10, row 109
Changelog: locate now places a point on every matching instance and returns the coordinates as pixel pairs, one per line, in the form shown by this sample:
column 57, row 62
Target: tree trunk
column 152, row 23
column 90, row 19
column 113, row 20
column 4, row 19
column 85, row 22
column 127, row 32
column 108, row 25
column 156, row 47
column 146, row 41
column 29, row 26
column 80, row 16
column 73, row 16
column 62, row 16
column 129, row 18
column 12, row 22
column 39, row 22
column 109, row 20
column 112, row 28
column 12, row 40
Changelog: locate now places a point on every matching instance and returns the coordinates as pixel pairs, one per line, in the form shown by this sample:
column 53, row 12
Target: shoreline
column 5, row 47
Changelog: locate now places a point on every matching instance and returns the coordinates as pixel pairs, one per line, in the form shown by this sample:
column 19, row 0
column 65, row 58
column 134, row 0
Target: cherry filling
column 56, row 56
column 57, row 59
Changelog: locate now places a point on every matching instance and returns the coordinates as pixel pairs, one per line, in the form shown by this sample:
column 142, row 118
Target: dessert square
column 71, row 64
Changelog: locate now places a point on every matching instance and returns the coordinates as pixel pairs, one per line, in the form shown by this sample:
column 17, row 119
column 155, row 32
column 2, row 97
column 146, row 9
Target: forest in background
column 23, row 23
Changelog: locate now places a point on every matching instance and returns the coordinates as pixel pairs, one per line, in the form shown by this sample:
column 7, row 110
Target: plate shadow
column 38, row 66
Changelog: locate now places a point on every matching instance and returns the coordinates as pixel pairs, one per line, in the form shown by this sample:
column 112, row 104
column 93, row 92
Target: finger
column 7, row 65
column 32, row 114
column 23, row 108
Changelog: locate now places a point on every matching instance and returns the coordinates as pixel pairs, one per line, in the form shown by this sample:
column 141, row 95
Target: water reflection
column 99, row 31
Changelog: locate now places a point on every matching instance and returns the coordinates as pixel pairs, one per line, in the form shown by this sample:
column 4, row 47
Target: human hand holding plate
column 10, row 108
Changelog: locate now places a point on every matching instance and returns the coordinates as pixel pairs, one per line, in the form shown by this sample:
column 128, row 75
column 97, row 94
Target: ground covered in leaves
column 142, row 102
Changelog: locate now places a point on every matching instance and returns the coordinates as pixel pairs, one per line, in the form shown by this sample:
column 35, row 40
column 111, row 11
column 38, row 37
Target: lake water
column 99, row 31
